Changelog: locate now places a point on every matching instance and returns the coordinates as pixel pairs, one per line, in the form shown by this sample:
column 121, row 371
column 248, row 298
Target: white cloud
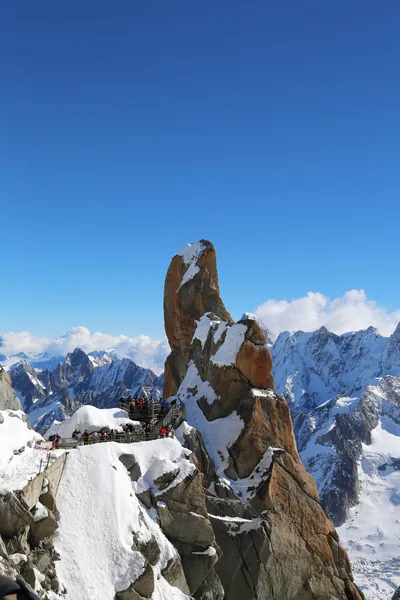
column 350, row 312
column 142, row 349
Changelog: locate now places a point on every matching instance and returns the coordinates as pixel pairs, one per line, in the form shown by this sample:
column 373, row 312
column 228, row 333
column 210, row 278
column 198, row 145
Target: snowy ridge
column 310, row 368
column 97, row 532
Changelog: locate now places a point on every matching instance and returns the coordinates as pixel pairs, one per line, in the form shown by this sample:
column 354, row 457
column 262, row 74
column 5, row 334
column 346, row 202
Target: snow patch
column 227, row 352
column 190, row 254
column 218, row 435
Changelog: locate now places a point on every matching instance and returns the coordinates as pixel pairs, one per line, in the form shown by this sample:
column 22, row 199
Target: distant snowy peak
column 98, row 378
column 100, row 358
column 310, row 368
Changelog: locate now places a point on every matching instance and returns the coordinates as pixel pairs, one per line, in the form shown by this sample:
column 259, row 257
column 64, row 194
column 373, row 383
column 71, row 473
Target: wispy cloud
column 350, row 312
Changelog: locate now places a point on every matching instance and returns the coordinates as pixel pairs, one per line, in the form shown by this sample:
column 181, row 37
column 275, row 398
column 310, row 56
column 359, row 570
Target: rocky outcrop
column 8, row 398
column 272, row 538
column 191, row 290
column 26, row 546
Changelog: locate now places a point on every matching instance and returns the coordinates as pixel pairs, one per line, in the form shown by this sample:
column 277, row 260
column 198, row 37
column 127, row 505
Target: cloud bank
column 350, row 312
column 142, row 349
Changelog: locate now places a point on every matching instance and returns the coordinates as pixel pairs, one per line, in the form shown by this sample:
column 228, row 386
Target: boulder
column 211, row 588
column 132, row 466
column 143, row 587
column 174, row 574
column 185, row 528
column 197, row 566
column 43, row 528
column 13, row 515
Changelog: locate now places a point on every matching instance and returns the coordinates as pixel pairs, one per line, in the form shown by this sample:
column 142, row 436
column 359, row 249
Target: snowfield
column 100, row 516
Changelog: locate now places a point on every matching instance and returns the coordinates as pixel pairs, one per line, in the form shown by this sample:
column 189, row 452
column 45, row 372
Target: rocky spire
column 191, row 290
column 221, row 371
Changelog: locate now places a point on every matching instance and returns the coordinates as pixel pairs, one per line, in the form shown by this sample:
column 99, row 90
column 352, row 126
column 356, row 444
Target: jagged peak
column 191, row 252
column 396, row 333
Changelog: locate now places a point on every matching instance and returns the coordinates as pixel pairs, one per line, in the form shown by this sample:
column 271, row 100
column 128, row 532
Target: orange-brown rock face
column 222, row 372
column 191, row 290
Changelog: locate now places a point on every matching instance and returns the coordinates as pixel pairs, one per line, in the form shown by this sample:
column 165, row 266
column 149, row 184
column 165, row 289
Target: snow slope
column 99, row 515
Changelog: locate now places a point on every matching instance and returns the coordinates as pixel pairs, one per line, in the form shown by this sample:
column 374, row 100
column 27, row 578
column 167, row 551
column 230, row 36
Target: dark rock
column 28, row 574
column 43, row 528
column 41, row 559
column 48, row 500
column 146, row 498
column 211, row 588
column 143, row 587
column 128, row 460
column 197, row 566
column 166, row 479
column 173, row 573
column 396, row 595
column 150, row 550
column 13, row 515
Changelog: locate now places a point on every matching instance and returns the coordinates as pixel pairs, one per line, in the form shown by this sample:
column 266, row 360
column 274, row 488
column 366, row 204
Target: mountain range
column 97, row 378
column 344, row 395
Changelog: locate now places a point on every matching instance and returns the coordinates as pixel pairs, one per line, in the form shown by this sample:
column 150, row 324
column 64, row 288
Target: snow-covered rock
column 93, row 419
column 109, row 542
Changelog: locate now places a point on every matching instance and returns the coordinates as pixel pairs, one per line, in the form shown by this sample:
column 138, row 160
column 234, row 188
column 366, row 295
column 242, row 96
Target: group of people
column 165, row 432
column 136, row 407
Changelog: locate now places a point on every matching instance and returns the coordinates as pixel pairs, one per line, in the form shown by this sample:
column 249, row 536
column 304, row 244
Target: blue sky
column 130, row 128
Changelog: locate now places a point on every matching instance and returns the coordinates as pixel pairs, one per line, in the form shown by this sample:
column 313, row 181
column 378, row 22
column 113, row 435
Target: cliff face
column 275, row 539
column 191, row 290
column 8, row 398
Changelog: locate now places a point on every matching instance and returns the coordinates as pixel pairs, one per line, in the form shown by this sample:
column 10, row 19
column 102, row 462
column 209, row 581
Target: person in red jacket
column 163, row 431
